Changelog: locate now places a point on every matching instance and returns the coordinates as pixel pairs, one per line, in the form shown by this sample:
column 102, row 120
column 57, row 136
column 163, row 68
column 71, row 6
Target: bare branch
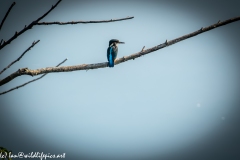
column 6, row 15
column 36, row 22
column 33, row 44
column 30, row 81
column 28, row 27
column 1, row 42
column 76, row 22
column 26, row 71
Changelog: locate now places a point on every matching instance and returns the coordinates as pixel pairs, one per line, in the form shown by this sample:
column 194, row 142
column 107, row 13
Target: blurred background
column 180, row 102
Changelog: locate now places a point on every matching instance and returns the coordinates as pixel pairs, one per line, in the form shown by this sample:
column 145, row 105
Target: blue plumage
column 111, row 63
column 112, row 51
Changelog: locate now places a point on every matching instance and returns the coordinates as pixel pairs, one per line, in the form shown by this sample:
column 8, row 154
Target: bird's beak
column 121, row 42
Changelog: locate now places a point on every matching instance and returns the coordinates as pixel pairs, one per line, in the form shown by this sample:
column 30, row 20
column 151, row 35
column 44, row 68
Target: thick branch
column 26, row 71
column 28, row 27
column 33, row 44
column 30, row 81
column 76, row 22
column 6, row 15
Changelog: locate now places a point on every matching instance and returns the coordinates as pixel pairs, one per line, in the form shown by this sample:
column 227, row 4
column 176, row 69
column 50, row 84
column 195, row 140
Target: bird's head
column 114, row 42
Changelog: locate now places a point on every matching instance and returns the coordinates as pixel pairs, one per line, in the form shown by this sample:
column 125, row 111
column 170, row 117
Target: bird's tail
column 111, row 63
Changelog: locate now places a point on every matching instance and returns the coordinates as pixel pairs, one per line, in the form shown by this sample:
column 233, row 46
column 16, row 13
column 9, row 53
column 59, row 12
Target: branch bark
column 30, row 81
column 33, row 44
column 76, row 22
column 26, row 71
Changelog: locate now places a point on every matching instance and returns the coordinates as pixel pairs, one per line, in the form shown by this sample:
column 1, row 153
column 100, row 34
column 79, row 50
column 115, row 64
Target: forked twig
column 28, row 27
column 30, row 81
column 33, row 44
column 36, row 22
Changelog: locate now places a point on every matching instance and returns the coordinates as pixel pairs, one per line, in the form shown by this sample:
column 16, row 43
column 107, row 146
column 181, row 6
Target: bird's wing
column 108, row 53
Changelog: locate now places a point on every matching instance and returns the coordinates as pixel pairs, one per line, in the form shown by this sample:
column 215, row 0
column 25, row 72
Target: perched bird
column 112, row 51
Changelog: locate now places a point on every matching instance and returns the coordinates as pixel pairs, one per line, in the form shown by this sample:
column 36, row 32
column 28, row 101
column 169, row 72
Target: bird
column 112, row 51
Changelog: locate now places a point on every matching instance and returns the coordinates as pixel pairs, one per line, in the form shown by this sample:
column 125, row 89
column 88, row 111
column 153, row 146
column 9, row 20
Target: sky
column 180, row 102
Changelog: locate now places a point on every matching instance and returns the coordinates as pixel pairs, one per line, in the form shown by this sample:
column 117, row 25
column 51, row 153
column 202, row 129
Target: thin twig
column 139, row 53
column 166, row 42
column 30, row 81
column 26, row 71
column 33, row 44
column 77, row 22
column 62, row 62
column 1, row 42
column 28, row 27
column 6, row 15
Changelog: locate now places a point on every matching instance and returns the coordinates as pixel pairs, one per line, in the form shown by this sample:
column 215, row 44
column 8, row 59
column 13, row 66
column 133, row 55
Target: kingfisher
column 112, row 51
